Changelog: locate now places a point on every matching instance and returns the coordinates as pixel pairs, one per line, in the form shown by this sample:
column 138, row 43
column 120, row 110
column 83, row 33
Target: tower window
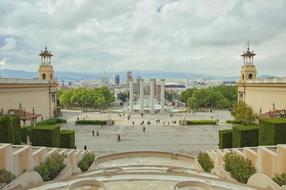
column 242, row 76
column 250, row 76
column 44, row 76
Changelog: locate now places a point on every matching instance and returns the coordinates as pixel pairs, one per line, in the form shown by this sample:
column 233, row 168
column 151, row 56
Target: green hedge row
column 92, row 122
column 245, row 136
column 10, row 131
column 233, row 121
column 25, row 132
column 52, row 121
column 272, row 131
column 46, row 136
column 225, row 138
column 201, row 122
column 67, row 139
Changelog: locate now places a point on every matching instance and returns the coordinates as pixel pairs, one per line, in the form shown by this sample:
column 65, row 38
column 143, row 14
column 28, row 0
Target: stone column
column 152, row 93
column 141, row 95
column 162, row 110
column 131, row 96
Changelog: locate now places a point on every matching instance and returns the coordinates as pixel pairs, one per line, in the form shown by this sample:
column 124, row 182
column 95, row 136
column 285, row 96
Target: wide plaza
column 164, row 135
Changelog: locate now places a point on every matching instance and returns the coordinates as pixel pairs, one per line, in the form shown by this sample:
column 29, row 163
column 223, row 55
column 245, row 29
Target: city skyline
column 162, row 35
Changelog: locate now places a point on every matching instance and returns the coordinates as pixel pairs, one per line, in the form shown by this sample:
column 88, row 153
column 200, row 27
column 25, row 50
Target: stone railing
column 269, row 160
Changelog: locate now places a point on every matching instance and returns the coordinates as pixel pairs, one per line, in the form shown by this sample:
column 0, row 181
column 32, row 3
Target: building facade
column 37, row 96
column 263, row 95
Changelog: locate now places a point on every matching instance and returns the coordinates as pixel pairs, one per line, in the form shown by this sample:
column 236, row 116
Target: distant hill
column 74, row 76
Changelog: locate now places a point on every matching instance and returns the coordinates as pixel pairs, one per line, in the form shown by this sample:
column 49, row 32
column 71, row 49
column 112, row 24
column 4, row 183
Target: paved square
column 170, row 137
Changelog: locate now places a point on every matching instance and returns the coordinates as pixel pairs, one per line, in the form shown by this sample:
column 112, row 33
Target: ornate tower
column 248, row 70
column 46, row 71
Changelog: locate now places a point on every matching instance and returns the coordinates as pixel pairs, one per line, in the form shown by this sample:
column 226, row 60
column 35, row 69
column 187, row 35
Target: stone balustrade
column 20, row 158
column 269, row 160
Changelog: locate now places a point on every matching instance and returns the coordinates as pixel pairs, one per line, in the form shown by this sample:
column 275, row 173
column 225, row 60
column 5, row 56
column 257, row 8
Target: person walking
column 85, row 147
column 144, row 129
column 118, row 138
column 93, row 133
column 97, row 133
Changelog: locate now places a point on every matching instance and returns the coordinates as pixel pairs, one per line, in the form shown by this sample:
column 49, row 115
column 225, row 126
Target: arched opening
column 242, row 76
column 44, row 76
column 250, row 76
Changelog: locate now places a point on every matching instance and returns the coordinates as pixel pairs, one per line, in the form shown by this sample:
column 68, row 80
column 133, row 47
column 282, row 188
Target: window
column 44, row 76
column 242, row 76
column 250, row 76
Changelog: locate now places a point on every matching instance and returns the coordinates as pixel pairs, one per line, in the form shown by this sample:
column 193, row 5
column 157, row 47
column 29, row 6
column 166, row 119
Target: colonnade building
column 263, row 95
column 151, row 107
column 32, row 99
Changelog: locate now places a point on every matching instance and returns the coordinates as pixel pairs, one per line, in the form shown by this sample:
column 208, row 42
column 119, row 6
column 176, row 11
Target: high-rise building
column 116, row 80
column 128, row 76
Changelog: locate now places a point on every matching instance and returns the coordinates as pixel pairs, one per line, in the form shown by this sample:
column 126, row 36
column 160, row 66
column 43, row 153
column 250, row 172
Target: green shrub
column 91, row 122
column 272, row 131
column 52, row 121
column 225, row 138
column 51, row 167
column 245, row 136
column 10, row 131
column 239, row 168
column 205, row 161
column 86, row 161
column 67, row 138
column 233, row 121
column 280, row 179
column 25, row 132
column 46, row 136
column 6, row 177
column 201, row 122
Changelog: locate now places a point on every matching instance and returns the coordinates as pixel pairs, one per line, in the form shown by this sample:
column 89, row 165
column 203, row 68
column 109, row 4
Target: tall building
column 263, row 95
column 32, row 99
column 116, row 80
column 128, row 76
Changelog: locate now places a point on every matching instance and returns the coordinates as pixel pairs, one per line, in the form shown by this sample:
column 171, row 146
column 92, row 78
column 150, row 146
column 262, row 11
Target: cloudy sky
column 193, row 36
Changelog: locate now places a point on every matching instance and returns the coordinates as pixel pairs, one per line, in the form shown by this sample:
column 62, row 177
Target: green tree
column 243, row 113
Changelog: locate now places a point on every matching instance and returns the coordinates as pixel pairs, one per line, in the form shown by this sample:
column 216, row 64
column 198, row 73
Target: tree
column 243, row 113
column 122, row 96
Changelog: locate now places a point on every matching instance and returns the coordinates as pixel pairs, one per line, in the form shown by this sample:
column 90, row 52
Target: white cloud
column 3, row 62
column 180, row 35
column 10, row 44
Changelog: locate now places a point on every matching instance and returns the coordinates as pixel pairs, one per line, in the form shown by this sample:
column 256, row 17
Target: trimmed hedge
column 92, row 122
column 272, row 131
column 25, row 132
column 52, row 121
column 86, row 161
column 6, row 176
column 67, row 138
column 245, row 136
column 206, row 162
column 46, row 136
column 225, row 138
column 201, row 122
column 51, row 167
column 239, row 168
column 233, row 122
column 10, row 131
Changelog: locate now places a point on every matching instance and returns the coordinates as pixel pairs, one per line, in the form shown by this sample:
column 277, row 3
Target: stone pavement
column 157, row 137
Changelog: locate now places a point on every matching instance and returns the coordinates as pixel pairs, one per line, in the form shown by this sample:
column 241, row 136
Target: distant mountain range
column 74, row 76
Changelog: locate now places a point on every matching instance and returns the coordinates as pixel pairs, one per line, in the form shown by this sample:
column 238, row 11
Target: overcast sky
column 195, row 36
